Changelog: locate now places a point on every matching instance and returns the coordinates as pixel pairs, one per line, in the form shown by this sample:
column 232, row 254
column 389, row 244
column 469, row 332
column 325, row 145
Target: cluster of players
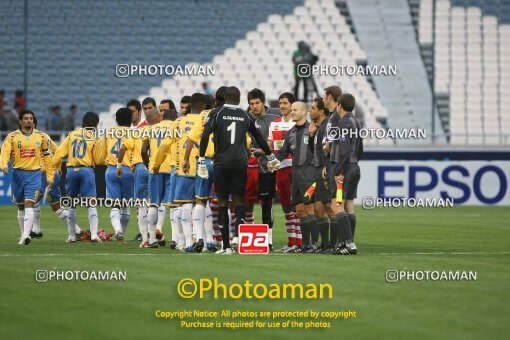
column 218, row 161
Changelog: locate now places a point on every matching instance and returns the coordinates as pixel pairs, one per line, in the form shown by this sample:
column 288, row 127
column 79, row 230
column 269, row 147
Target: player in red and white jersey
column 277, row 131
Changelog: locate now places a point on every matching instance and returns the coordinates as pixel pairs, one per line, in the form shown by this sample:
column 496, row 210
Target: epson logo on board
column 466, row 182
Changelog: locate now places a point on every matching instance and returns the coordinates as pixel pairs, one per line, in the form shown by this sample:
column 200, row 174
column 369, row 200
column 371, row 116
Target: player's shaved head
column 298, row 112
column 232, row 95
column 152, row 116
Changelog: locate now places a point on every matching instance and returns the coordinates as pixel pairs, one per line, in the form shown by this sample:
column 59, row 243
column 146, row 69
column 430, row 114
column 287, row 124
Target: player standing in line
column 52, row 194
column 159, row 181
column 184, row 194
column 277, row 131
column 300, row 145
column 28, row 151
column 118, row 176
column 322, row 197
column 202, row 214
column 164, row 105
column 83, row 152
column 262, row 185
column 346, row 151
column 136, row 107
column 330, row 98
column 229, row 124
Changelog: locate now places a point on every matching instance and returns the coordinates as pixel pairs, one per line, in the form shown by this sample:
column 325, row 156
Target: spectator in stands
column 207, row 90
column 69, row 124
column 303, row 60
column 19, row 101
column 55, row 122
column 185, row 106
column 166, row 104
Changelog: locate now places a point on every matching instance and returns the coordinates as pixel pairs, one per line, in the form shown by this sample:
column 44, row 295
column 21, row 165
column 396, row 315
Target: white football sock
column 125, row 215
column 173, row 226
column 94, row 222
column 115, row 219
column 187, row 224
column 28, row 221
column 71, row 222
column 37, row 219
column 152, row 220
column 198, row 221
column 208, row 224
column 270, row 235
column 161, row 217
column 21, row 220
column 178, row 225
column 142, row 222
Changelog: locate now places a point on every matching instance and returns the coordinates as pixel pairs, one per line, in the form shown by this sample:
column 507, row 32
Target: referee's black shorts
column 303, row 178
column 267, row 185
column 352, row 175
column 229, row 181
column 321, row 193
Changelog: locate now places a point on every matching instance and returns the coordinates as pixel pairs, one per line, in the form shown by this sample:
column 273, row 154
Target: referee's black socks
column 224, row 226
column 267, row 212
column 323, row 224
column 352, row 219
column 314, row 230
column 305, row 230
column 344, row 227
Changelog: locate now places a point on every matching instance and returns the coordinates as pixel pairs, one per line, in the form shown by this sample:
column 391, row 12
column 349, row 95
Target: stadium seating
column 74, row 45
column 472, row 54
column 263, row 59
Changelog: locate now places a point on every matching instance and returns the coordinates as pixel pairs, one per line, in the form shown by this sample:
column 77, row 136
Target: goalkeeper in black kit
column 229, row 125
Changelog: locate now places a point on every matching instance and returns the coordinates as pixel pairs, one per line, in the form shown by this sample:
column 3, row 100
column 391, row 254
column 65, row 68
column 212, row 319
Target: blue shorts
column 184, row 189
column 159, row 188
column 118, row 188
column 171, row 192
column 25, row 185
column 54, row 194
column 203, row 187
column 80, row 181
column 141, row 181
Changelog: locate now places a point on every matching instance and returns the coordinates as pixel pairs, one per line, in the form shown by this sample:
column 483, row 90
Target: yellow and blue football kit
column 118, row 188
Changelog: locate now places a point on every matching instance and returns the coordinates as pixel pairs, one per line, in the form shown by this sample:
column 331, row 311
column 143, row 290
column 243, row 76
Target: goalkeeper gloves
column 202, row 168
column 272, row 163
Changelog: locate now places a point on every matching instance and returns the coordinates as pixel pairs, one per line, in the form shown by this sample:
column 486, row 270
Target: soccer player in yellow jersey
column 28, row 152
column 202, row 214
column 83, row 151
column 159, row 183
column 52, row 195
column 118, row 176
column 184, row 182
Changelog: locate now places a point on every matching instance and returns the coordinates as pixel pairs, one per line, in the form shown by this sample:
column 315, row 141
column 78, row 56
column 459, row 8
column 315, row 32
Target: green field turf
column 461, row 238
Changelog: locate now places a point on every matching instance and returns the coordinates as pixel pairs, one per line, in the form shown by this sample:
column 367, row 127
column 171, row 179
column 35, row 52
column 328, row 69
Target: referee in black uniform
column 346, row 150
column 229, row 124
column 298, row 143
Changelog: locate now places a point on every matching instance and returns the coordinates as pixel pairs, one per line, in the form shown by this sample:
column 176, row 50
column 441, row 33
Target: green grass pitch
column 460, row 238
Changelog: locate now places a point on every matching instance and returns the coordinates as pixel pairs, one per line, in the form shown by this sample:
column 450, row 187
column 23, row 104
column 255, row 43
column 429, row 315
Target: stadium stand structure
column 385, row 31
column 263, row 59
column 74, row 45
column 470, row 42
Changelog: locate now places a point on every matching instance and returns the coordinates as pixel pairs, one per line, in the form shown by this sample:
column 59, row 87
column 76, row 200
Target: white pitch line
column 170, row 254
